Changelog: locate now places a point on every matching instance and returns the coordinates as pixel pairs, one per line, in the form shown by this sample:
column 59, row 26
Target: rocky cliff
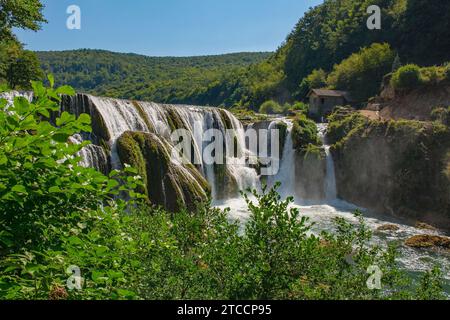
column 399, row 167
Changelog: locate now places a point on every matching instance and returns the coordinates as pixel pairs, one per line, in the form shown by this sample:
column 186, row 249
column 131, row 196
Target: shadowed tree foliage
column 17, row 66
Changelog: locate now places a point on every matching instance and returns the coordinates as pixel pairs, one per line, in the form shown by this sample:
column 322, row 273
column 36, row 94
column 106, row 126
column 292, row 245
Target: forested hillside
column 161, row 79
column 324, row 37
column 417, row 30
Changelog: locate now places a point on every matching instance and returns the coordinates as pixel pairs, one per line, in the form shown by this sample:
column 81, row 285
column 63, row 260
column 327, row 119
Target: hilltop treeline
column 161, row 79
column 417, row 30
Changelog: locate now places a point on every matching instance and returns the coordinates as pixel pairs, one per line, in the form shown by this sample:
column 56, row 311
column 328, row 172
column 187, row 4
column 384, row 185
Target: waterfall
column 330, row 178
column 286, row 173
column 114, row 117
column 92, row 156
column 9, row 96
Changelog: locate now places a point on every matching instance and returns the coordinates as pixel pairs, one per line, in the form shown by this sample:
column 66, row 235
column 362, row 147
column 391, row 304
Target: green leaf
column 38, row 89
column 54, row 189
column 3, row 159
column 75, row 241
column 67, row 90
column 44, row 112
column 112, row 184
column 51, row 79
column 61, row 137
column 19, row 189
column 21, row 105
column 65, row 118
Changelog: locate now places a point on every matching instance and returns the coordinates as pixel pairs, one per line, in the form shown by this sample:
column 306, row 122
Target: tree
column 270, row 107
column 23, row 69
column 18, row 67
column 317, row 79
column 24, row 14
column 423, row 32
column 407, row 77
column 362, row 72
column 9, row 51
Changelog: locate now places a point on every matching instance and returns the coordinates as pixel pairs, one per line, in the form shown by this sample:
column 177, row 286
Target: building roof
column 329, row 93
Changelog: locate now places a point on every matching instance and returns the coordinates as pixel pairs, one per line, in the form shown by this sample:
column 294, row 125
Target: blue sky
column 169, row 27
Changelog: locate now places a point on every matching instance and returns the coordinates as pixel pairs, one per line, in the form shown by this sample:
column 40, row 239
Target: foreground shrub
column 53, row 212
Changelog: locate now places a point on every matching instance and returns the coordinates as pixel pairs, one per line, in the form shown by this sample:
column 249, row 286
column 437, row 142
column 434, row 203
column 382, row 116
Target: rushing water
column 120, row 116
column 323, row 213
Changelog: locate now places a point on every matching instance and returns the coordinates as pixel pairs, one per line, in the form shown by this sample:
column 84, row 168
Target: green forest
column 56, row 214
column 132, row 76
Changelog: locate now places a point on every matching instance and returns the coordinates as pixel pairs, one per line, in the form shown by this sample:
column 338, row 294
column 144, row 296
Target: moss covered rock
column 388, row 227
column 428, row 241
column 167, row 183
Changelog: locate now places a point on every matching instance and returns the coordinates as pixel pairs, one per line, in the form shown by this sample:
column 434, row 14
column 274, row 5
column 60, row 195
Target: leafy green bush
column 316, row 80
column 270, row 107
column 53, row 212
column 304, row 133
column 363, row 72
column 432, row 75
column 342, row 122
column 300, row 106
column 407, row 77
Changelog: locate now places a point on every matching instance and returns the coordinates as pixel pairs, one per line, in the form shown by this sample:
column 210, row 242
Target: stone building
column 323, row 101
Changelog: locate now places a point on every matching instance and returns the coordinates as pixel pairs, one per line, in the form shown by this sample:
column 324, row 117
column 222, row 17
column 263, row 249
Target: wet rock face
column 311, row 169
column 395, row 167
column 167, row 184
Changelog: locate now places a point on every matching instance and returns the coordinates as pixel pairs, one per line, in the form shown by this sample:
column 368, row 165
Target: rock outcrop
column 428, row 241
column 397, row 167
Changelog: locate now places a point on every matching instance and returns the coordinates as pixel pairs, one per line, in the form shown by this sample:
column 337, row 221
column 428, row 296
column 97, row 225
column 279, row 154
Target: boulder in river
column 424, row 226
column 428, row 241
column 388, row 227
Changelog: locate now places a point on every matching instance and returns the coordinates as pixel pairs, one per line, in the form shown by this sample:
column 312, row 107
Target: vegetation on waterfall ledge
column 304, row 134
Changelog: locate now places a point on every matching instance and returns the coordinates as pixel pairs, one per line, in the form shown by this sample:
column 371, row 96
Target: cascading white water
column 286, row 174
column 9, row 96
column 330, row 178
column 120, row 116
column 92, row 156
